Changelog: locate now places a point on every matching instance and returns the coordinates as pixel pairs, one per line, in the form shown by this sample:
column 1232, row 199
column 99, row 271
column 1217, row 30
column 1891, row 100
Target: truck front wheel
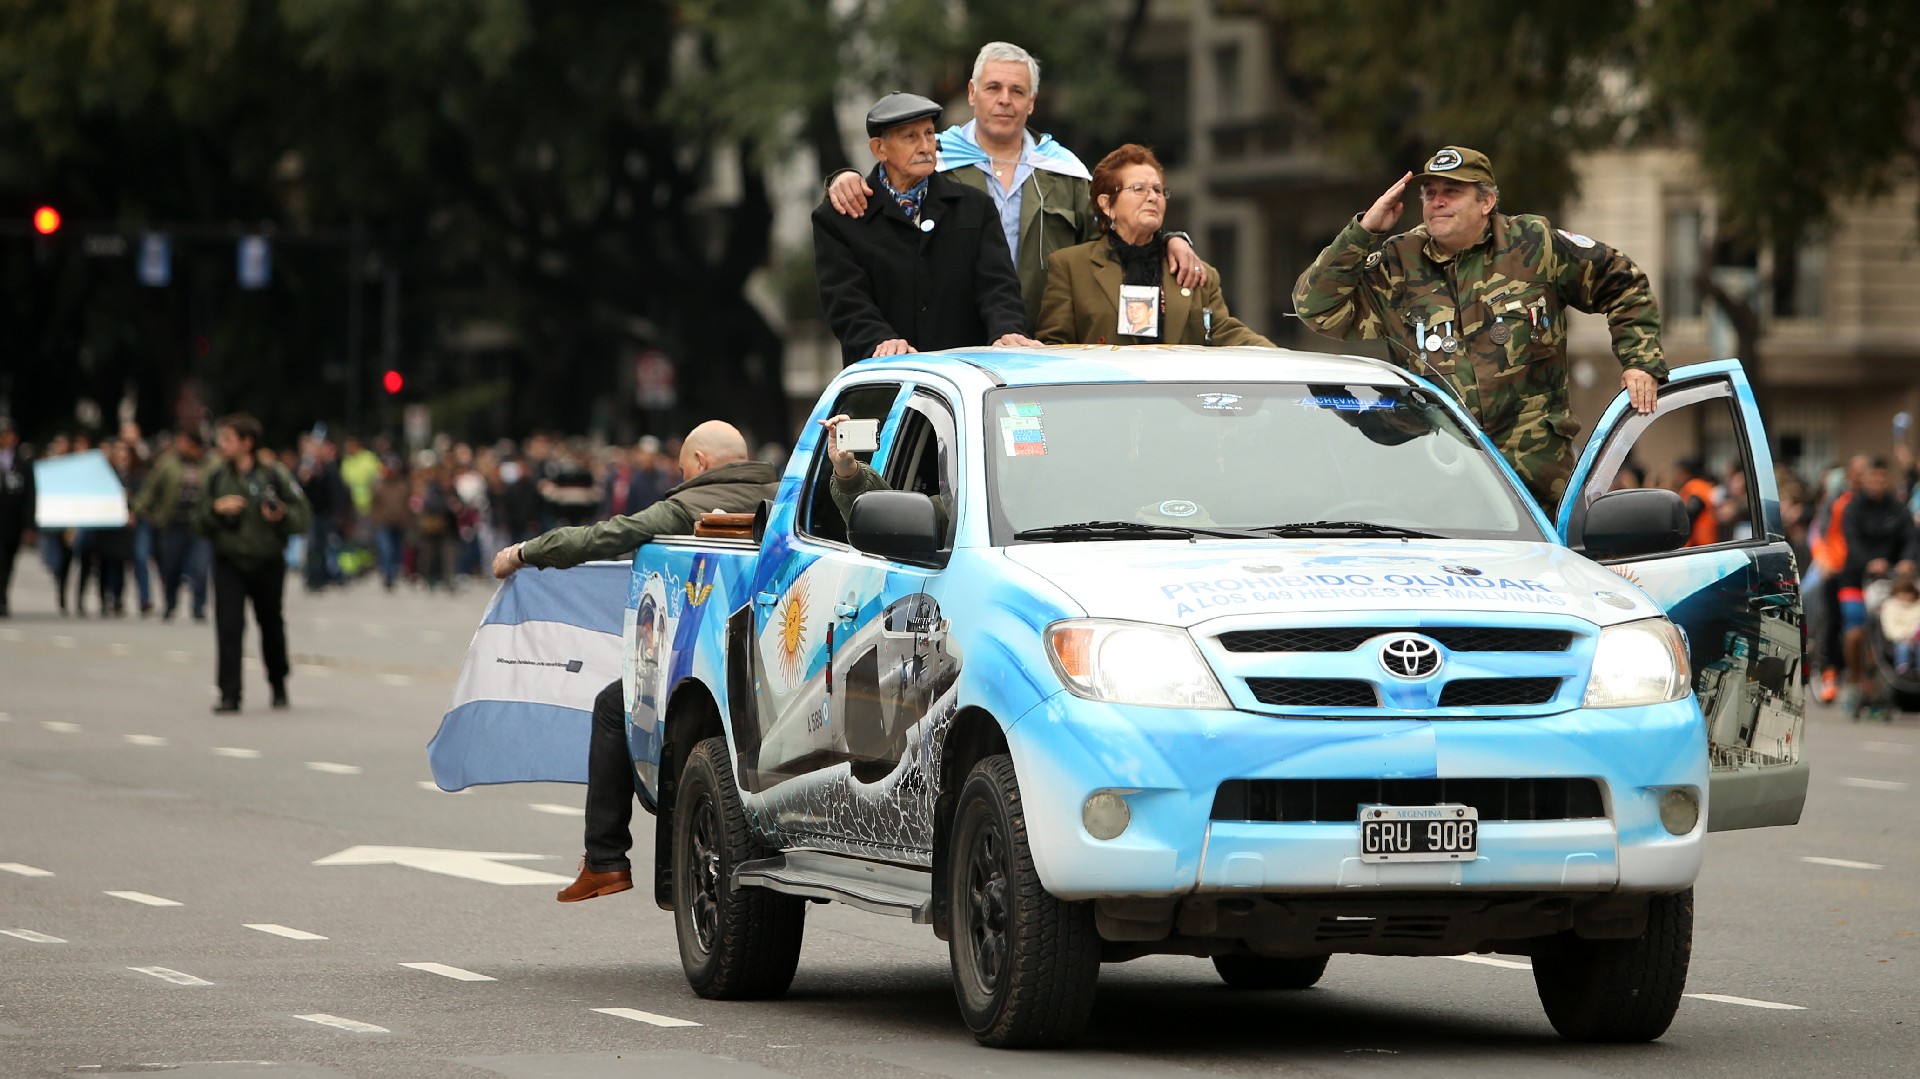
column 1024, row 963
column 1619, row 990
column 735, row 943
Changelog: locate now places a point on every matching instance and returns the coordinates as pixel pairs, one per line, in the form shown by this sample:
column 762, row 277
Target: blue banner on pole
column 156, row 259
column 255, row 262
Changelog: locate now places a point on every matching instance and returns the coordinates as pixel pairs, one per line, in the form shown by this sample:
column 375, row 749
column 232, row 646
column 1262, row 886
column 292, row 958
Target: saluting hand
column 1380, row 217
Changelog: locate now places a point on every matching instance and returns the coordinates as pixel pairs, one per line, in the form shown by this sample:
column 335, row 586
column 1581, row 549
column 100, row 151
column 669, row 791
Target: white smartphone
column 857, row 436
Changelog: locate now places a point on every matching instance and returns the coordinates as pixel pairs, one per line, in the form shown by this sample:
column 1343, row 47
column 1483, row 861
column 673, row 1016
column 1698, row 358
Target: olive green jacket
column 1082, row 305
column 159, row 497
column 1055, row 212
column 738, row 487
column 1503, row 302
column 248, row 537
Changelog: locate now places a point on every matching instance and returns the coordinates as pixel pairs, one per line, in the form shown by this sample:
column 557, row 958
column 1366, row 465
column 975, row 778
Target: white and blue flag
column 522, row 710
column 78, row 490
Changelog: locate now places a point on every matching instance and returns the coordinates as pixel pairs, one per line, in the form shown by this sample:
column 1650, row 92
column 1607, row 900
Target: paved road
column 162, row 908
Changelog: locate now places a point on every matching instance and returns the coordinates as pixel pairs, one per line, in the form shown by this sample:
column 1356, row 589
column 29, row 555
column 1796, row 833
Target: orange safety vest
column 1706, row 527
column 1830, row 545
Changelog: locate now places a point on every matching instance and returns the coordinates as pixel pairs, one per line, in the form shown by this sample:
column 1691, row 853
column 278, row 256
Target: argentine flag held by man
column 522, row 711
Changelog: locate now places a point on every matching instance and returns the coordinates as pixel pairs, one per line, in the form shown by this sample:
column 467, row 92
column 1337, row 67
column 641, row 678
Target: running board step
column 870, row 886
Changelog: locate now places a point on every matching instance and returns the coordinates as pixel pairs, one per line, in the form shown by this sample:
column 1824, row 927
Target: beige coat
column 1081, row 305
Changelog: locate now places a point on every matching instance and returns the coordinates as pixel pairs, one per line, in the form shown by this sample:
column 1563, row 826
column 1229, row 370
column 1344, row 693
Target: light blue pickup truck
column 1242, row 654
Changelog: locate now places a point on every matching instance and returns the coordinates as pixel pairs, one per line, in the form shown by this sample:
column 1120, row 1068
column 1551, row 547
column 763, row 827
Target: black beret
column 898, row 108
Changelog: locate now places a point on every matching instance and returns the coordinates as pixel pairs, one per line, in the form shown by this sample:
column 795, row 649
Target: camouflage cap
column 1458, row 163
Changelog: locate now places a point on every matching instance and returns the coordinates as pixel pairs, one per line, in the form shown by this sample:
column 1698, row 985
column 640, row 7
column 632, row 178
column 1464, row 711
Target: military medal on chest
column 1449, row 344
column 1500, row 333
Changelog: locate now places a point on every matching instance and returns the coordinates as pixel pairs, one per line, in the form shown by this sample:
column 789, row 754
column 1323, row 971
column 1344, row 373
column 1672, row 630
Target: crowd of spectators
column 428, row 517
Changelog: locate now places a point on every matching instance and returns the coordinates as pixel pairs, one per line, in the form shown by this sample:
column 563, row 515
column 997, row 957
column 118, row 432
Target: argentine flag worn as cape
column 958, row 148
column 522, row 711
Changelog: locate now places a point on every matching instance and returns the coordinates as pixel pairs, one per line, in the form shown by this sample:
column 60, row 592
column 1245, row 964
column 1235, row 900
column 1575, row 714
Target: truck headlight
column 1642, row 662
column 1132, row 663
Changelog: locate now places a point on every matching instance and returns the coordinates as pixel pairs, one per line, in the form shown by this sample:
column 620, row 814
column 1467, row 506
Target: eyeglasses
column 1142, row 189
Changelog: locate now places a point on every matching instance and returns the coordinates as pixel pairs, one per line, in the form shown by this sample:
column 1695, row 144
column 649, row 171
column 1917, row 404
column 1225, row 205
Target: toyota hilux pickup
column 1242, row 654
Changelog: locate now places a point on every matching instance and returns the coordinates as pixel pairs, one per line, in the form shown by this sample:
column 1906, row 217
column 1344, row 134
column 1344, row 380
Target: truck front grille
column 1308, row 800
column 1487, row 692
column 1348, row 638
column 1314, row 692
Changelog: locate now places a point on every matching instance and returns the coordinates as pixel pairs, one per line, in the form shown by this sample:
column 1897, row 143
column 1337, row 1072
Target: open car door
column 1734, row 589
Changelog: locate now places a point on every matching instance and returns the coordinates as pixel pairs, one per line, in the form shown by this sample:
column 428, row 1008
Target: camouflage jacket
column 1520, row 278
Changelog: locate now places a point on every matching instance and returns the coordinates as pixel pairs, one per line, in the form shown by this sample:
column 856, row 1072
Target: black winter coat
column 881, row 276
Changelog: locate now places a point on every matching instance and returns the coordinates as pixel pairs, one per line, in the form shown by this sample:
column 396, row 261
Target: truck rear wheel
column 735, row 943
column 1619, row 990
column 1270, row 972
column 1024, row 963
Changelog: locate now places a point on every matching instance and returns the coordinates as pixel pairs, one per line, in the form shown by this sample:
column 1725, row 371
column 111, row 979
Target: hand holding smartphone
column 856, row 436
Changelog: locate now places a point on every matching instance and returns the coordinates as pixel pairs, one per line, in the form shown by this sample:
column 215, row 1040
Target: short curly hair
column 1106, row 175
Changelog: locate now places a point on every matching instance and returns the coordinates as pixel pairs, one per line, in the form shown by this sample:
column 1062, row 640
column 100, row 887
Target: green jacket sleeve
column 611, row 538
column 845, row 491
column 157, row 489
column 203, row 519
column 1593, row 277
column 1334, row 297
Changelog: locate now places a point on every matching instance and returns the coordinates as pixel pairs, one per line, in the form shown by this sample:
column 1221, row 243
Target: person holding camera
column 249, row 510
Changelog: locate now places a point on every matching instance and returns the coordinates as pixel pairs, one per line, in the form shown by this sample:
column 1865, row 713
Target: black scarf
column 1140, row 265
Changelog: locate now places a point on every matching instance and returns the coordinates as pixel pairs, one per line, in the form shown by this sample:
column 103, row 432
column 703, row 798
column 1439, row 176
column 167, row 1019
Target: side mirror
column 1621, row 524
column 900, row 526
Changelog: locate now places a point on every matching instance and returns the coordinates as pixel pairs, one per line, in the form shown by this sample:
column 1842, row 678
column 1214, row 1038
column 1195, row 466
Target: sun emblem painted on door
column 1626, row 573
column 793, row 632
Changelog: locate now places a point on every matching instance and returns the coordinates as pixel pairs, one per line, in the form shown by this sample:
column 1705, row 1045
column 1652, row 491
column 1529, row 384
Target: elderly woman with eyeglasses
column 1116, row 290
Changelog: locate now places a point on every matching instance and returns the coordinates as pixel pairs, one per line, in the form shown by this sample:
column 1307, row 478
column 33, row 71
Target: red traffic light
column 392, row 382
column 46, row 221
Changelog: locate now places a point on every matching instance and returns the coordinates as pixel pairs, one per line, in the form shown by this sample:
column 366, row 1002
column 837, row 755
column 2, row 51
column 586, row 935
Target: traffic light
column 392, row 382
column 46, row 221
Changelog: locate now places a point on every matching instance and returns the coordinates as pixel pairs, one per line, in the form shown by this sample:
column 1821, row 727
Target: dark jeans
column 235, row 583
column 184, row 555
column 610, row 790
column 390, row 541
column 9, row 549
column 143, row 555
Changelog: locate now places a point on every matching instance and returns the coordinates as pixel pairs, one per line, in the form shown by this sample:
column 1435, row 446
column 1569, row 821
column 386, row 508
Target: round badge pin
column 1500, row 333
column 1186, row 292
column 926, row 224
column 1433, row 342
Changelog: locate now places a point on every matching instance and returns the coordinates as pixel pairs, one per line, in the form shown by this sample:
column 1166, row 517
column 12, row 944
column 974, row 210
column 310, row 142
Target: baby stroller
column 1888, row 687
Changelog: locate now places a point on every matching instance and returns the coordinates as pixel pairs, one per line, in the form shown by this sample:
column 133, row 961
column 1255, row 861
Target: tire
column 1619, row 990
column 735, row 943
column 1268, row 972
column 1024, row 963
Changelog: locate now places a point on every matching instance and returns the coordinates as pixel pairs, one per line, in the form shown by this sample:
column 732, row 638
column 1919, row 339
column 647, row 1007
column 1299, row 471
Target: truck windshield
column 1263, row 459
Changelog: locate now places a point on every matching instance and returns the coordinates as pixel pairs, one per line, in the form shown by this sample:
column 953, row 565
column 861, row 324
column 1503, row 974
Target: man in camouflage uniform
column 1476, row 300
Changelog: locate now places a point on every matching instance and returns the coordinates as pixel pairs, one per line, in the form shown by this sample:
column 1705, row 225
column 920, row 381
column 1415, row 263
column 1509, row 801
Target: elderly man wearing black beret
column 926, row 267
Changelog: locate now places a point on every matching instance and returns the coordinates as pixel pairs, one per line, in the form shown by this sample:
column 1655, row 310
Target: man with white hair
column 1039, row 186
column 719, row 476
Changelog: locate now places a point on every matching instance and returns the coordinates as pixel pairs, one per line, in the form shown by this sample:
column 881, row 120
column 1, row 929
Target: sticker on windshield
column 1023, row 436
column 1029, row 409
column 1178, row 507
column 1220, row 402
column 1347, row 402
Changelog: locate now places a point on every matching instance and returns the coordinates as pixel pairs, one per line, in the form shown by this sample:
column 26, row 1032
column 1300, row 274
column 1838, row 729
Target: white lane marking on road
column 236, row 752
column 1747, row 1002
column 1901, row 748
column 432, row 636
column 396, row 680
column 168, row 974
column 556, row 809
column 1487, row 961
column 639, row 1016
column 117, row 649
column 60, row 726
column 313, row 670
column 149, row 900
column 145, row 739
column 480, row 865
column 175, row 655
column 61, row 640
column 1873, row 784
column 375, row 631
column 331, row 768
column 354, row 1025
column 25, row 870
column 1841, row 863
column 37, row 938
column 446, row 971
column 282, row 931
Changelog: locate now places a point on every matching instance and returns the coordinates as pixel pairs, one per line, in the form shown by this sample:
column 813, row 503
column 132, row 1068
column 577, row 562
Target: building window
column 1226, row 82
column 1799, row 280
column 1679, row 291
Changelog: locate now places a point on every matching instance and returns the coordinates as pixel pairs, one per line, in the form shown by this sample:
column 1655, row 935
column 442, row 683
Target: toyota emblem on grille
column 1410, row 656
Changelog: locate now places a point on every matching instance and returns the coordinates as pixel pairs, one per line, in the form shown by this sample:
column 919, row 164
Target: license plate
column 1443, row 833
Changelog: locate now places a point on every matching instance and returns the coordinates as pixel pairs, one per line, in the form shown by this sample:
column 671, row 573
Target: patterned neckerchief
column 910, row 199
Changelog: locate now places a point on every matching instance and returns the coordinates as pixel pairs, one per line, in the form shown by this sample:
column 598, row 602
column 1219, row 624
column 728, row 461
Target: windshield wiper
column 1344, row 528
column 1124, row 530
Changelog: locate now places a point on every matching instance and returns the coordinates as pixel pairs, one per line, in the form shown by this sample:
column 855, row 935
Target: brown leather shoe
column 593, row 883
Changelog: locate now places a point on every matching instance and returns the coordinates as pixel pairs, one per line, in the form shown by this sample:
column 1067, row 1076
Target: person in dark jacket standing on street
column 167, row 499
column 248, row 511
column 16, row 503
column 926, row 267
column 1880, row 539
column 719, row 477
